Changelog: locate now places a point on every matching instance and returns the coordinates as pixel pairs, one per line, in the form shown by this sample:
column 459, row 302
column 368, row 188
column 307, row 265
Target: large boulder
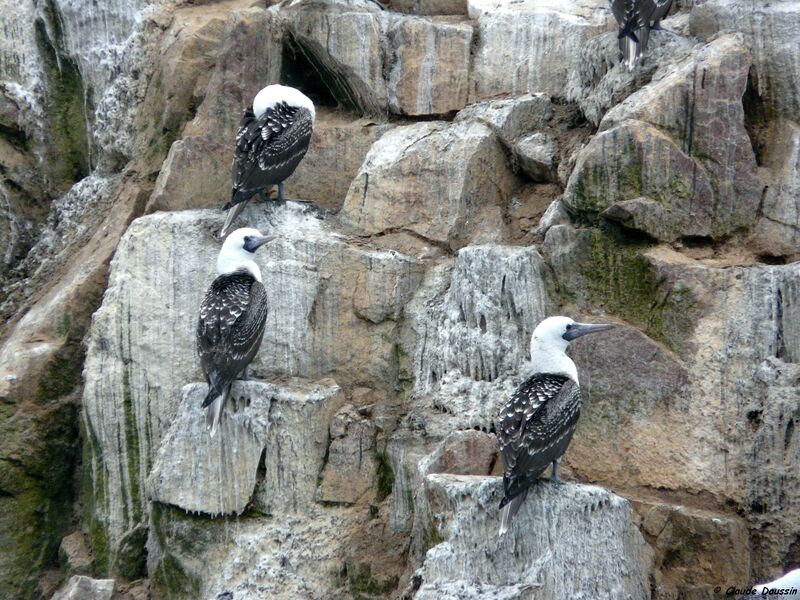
column 429, row 72
column 287, row 424
column 433, row 179
column 674, row 159
column 566, row 541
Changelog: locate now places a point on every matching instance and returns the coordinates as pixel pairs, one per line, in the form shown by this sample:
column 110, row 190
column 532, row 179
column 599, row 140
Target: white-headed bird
column 271, row 141
column 232, row 318
column 536, row 425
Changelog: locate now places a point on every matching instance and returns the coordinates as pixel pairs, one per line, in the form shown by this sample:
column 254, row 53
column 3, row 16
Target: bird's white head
column 550, row 340
column 272, row 94
column 238, row 251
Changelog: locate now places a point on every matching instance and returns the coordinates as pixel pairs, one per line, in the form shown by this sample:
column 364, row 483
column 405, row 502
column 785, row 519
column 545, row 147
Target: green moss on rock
column 384, row 475
column 603, row 268
column 67, row 104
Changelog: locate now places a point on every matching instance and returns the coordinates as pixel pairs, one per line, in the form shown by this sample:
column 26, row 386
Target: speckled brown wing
column 535, row 428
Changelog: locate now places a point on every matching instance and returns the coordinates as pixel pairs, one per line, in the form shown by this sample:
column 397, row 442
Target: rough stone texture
column 777, row 232
column 346, row 38
column 599, row 79
column 197, row 171
column 566, row 541
column 622, row 164
column 735, row 327
column 432, row 179
column 430, row 61
column 351, row 463
column 338, row 147
column 472, row 323
column 198, row 473
column 466, row 452
column 527, row 46
column 85, row 588
column 536, row 156
column 695, row 549
column 184, row 59
column 510, row 118
column 75, row 554
column 770, row 32
column 430, row 7
column 333, row 308
column 699, row 105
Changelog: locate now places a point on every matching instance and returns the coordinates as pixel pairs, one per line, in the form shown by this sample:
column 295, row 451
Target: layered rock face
column 475, row 166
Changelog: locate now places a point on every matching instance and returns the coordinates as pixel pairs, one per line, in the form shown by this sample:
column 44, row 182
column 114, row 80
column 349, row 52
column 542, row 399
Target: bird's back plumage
column 233, row 315
column 534, row 429
column 268, row 148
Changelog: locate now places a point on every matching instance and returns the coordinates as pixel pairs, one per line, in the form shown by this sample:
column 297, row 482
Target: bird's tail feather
column 214, row 409
column 233, row 212
column 509, row 510
column 630, row 54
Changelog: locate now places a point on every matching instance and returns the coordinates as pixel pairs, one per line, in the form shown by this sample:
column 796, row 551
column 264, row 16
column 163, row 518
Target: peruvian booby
column 232, row 318
column 536, row 425
column 634, row 18
column 271, row 141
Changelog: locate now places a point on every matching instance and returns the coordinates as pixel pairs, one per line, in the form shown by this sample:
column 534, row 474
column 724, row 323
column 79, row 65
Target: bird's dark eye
column 247, row 239
column 569, row 326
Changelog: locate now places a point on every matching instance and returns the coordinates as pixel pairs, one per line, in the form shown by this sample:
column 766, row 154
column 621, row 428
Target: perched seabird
column 536, row 424
column 634, row 18
column 232, row 318
column 271, row 141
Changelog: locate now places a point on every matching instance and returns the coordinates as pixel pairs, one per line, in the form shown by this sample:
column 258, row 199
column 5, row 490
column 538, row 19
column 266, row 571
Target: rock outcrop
column 475, row 166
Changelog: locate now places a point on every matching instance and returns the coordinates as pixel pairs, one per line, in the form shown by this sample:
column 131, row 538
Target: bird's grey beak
column 579, row 329
column 255, row 242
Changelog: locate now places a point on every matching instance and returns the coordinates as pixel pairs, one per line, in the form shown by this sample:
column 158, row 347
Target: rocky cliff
column 476, row 165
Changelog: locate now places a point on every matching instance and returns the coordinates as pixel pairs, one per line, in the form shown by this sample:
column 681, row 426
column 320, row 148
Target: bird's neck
column 226, row 266
column 552, row 359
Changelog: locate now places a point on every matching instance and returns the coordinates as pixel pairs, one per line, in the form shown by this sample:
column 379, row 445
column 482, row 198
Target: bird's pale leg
column 245, row 375
column 282, row 199
column 554, row 473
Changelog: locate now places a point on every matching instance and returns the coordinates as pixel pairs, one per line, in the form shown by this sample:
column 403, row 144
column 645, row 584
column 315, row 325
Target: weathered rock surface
column 694, row 548
column 198, row 473
column 351, row 462
column 463, row 452
column 338, row 147
column 472, row 323
column 432, row 179
column 511, row 118
column 75, row 553
column 777, row 232
column 141, row 348
column 197, row 171
column 674, row 158
column 347, row 40
column 536, row 155
column 770, row 32
column 599, row 80
column 714, row 427
column 86, row 588
column 566, row 541
column 527, row 46
column 430, row 62
column 430, row 7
